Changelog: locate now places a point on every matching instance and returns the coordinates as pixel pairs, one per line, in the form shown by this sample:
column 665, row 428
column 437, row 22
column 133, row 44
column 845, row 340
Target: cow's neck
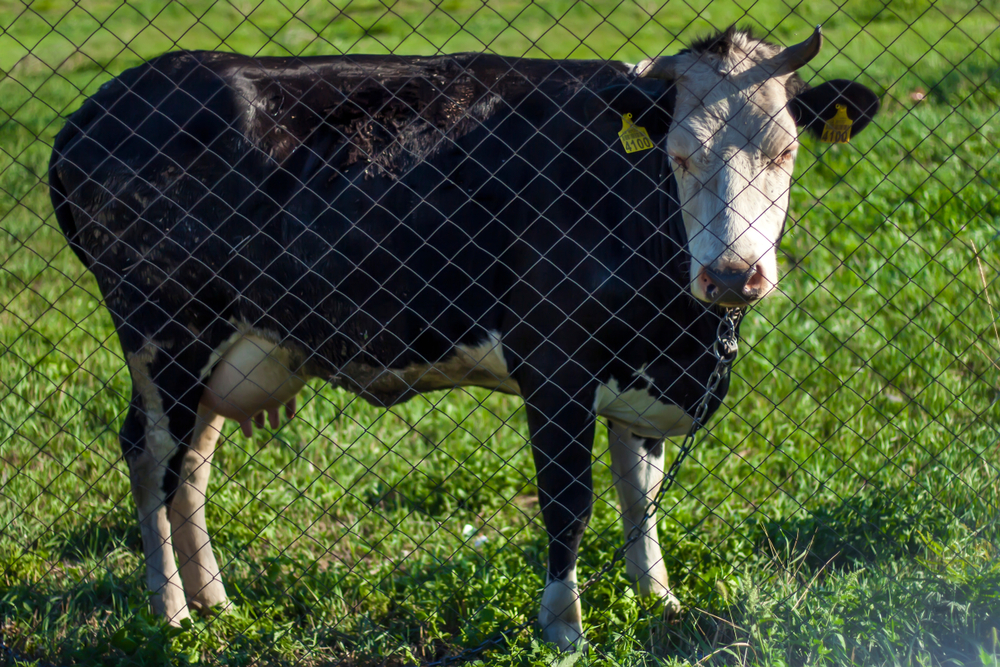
column 671, row 219
column 670, row 247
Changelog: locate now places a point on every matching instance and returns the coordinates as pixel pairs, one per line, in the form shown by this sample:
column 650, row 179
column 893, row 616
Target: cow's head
column 732, row 144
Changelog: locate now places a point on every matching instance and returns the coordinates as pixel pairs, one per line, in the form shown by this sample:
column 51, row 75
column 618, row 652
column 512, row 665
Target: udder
column 254, row 376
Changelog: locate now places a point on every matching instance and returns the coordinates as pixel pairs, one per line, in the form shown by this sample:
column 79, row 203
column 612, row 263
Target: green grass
column 842, row 509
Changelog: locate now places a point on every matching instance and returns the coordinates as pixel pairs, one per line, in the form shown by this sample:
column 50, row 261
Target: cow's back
column 364, row 204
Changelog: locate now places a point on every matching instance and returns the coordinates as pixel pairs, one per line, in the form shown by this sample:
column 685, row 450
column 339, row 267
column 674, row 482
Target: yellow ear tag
column 838, row 128
column 634, row 138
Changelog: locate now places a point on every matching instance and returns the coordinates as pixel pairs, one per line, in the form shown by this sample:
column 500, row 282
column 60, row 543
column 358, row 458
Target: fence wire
column 395, row 276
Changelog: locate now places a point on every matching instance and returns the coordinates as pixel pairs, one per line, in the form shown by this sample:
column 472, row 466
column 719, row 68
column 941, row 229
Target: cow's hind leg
column 637, row 468
column 160, row 421
column 199, row 569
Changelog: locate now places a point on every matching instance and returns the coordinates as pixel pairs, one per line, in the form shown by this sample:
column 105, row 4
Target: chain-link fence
column 520, row 248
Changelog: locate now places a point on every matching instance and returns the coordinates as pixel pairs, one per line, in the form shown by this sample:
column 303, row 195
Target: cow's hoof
column 567, row 636
column 651, row 587
column 178, row 618
column 666, row 601
column 210, row 599
column 202, row 608
column 671, row 606
column 650, row 579
column 170, row 604
column 561, row 616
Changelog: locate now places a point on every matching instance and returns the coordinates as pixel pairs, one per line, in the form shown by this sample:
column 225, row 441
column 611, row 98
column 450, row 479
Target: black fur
column 375, row 212
column 720, row 43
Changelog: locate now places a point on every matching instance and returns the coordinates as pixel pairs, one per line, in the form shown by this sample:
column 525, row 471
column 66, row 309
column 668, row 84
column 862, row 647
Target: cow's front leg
column 562, row 436
column 637, row 468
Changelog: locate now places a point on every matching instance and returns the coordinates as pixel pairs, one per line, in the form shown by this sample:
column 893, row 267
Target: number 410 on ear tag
column 634, row 138
column 837, row 130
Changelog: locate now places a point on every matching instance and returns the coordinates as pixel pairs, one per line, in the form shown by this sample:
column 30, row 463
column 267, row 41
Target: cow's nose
column 733, row 286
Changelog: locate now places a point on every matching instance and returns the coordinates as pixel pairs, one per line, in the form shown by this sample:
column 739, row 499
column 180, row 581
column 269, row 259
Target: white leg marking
column 162, row 578
column 199, row 569
column 638, row 474
column 146, row 472
column 561, row 615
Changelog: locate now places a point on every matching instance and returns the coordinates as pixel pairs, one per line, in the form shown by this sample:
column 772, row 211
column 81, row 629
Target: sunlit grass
column 841, row 510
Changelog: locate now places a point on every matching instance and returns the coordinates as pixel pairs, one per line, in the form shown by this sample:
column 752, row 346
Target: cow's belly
column 249, row 375
column 640, row 411
column 481, row 365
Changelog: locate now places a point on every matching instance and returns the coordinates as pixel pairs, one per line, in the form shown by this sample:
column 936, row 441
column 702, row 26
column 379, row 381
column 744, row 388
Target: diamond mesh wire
column 840, row 507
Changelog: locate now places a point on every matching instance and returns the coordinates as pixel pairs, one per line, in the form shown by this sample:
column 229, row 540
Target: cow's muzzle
column 732, row 287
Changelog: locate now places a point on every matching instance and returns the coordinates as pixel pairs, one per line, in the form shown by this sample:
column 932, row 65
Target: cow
column 567, row 231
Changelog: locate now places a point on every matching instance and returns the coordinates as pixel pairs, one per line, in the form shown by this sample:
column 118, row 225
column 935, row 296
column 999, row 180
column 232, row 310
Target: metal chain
column 724, row 349
column 470, row 653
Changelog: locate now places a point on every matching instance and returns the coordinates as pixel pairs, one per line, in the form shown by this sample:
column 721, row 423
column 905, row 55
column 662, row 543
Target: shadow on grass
column 858, row 532
column 892, row 578
column 285, row 611
column 856, row 583
column 96, row 539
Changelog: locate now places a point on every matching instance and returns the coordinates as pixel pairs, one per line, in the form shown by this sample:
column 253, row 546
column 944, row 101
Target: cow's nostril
column 755, row 285
column 733, row 287
column 707, row 284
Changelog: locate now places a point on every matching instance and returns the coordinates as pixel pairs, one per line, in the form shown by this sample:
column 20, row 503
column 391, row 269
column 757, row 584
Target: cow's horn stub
column 661, row 67
column 798, row 55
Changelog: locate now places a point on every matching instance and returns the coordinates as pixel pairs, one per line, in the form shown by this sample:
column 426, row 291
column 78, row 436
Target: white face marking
column 732, row 145
column 640, row 412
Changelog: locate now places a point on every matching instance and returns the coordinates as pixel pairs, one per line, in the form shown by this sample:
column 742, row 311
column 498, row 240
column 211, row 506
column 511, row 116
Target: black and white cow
column 396, row 225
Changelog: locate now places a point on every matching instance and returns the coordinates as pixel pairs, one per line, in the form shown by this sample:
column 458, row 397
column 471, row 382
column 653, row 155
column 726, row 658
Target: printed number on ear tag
column 838, row 128
column 634, row 138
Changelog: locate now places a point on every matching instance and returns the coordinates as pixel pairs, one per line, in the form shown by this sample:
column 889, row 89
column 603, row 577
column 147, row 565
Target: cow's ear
column 650, row 101
column 813, row 108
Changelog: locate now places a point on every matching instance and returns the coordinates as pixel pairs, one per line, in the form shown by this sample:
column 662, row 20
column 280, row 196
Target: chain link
column 877, row 419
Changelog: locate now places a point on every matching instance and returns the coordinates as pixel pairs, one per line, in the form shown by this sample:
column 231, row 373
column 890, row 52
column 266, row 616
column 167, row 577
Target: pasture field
column 843, row 508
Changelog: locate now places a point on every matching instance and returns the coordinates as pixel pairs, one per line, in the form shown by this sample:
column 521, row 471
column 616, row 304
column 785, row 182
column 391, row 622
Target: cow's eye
column 786, row 157
column 679, row 162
